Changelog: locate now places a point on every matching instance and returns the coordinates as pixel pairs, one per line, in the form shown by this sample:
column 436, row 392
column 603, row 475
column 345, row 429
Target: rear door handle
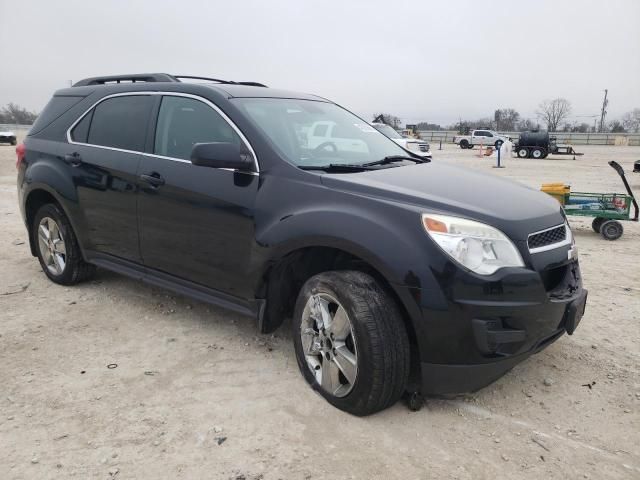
column 74, row 159
column 154, row 179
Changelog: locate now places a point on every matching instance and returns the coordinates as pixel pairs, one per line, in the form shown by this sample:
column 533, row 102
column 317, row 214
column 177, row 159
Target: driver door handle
column 154, row 179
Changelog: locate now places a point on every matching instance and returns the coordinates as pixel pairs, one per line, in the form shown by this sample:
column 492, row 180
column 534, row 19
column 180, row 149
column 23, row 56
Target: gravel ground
column 196, row 392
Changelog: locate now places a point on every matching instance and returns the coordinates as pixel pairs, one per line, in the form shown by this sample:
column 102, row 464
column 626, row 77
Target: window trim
column 168, row 94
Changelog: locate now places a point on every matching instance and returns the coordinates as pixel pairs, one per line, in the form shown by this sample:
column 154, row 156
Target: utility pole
column 605, row 102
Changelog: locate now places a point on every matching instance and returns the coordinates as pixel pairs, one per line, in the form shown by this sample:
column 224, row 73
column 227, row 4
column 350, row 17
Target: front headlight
column 476, row 246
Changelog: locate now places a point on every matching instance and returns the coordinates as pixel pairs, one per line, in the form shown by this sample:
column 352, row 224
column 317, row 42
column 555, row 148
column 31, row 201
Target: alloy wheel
column 329, row 344
column 52, row 246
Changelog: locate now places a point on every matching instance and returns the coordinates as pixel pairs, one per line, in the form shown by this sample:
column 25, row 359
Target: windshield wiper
column 337, row 167
column 394, row 158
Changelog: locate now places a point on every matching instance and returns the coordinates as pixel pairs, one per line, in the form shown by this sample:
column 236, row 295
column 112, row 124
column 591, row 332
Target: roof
column 164, row 81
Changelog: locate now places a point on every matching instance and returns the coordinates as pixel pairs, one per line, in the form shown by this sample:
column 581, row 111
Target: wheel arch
column 37, row 197
column 286, row 274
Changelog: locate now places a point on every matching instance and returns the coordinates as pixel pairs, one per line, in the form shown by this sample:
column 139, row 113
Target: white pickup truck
column 480, row 137
column 419, row 147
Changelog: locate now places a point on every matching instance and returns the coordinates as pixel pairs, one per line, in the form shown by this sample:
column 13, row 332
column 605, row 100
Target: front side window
column 118, row 122
column 183, row 122
column 293, row 126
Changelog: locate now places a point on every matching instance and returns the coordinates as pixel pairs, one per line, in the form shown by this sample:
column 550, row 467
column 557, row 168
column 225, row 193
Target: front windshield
column 312, row 133
column 387, row 130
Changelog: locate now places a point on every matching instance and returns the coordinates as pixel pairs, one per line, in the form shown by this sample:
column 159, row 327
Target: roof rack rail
column 155, row 77
column 217, row 80
column 134, row 78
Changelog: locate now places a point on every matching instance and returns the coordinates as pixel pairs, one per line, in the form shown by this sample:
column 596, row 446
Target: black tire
column 75, row 268
column 597, row 223
column 611, row 229
column 523, row 152
column 380, row 339
column 470, row 147
column 537, row 153
column 14, row 141
column 464, row 144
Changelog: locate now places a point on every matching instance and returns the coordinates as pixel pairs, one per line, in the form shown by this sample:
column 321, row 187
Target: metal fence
column 12, row 126
column 631, row 139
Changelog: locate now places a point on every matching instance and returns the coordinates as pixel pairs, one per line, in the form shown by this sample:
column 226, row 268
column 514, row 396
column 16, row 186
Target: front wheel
column 464, row 144
column 57, row 247
column 350, row 341
column 523, row 153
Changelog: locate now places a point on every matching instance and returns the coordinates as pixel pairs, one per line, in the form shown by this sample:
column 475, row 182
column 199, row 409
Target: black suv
column 400, row 274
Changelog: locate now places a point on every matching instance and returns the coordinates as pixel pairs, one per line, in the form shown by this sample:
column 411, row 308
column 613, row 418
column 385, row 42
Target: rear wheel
column 597, row 223
column 611, row 229
column 350, row 341
column 14, row 141
column 464, row 144
column 537, row 153
column 57, row 247
column 523, row 153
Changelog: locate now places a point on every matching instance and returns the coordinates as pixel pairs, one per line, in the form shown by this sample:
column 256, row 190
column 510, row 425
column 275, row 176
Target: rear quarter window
column 57, row 106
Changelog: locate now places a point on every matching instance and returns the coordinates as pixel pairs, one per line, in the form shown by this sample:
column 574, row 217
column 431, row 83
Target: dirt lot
column 189, row 375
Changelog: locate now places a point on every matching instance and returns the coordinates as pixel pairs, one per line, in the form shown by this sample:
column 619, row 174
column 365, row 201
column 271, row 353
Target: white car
column 419, row 147
column 8, row 137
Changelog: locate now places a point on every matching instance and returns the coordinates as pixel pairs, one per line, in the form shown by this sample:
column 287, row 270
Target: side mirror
column 221, row 155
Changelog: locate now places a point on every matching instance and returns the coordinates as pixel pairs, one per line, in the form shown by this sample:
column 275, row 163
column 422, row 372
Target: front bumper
column 489, row 328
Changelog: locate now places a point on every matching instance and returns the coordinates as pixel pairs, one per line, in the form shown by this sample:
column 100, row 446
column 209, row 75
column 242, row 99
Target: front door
column 195, row 222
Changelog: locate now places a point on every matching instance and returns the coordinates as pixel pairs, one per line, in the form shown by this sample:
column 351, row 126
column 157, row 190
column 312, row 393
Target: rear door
column 106, row 144
column 196, row 222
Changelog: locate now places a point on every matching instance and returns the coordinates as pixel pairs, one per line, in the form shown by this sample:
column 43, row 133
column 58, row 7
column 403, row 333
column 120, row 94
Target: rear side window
column 119, row 122
column 183, row 122
column 56, row 107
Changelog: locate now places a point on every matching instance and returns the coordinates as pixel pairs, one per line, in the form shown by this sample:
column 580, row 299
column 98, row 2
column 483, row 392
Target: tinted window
column 121, row 122
column 56, row 107
column 183, row 122
column 80, row 132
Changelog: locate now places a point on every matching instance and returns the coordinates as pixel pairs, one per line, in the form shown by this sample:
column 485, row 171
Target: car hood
column 514, row 208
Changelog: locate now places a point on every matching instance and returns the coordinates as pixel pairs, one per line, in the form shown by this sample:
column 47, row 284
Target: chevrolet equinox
column 400, row 274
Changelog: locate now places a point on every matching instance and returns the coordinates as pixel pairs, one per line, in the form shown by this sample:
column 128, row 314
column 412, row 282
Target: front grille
column 547, row 237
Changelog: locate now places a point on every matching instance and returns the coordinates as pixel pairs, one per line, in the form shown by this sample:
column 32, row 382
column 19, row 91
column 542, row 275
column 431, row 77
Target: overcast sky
column 431, row 61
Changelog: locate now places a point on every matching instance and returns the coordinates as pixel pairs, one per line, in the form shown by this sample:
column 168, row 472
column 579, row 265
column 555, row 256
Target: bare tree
column 506, row 119
column 553, row 112
column 525, row 124
column 388, row 119
column 631, row 120
column 13, row 113
column 617, row 127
